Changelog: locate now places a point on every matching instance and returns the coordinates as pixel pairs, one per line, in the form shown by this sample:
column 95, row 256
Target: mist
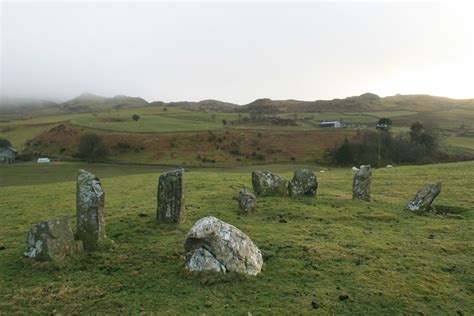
column 235, row 52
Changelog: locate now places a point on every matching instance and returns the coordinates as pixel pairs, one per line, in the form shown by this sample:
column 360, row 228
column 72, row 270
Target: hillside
column 385, row 259
column 23, row 107
column 14, row 109
column 199, row 148
column 364, row 103
column 368, row 102
column 201, row 106
column 93, row 103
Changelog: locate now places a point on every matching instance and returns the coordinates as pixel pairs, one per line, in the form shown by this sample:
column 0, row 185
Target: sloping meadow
column 327, row 253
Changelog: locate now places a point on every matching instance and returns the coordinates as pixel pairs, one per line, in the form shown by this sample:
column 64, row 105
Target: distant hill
column 203, row 106
column 8, row 104
column 14, row 108
column 362, row 103
column 88, row 102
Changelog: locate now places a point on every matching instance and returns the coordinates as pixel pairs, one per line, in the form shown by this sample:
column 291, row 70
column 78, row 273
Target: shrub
column 135, row 117
column 91, row 147
column 4, row 142
column 382, row 148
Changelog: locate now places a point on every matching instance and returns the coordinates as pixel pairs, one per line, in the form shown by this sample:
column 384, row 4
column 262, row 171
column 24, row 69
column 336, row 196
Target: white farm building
column 333, row 124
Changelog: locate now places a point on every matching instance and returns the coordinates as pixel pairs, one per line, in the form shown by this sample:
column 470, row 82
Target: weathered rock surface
column 424, row 197
column 52, row 240
column 202, row 260
column 247, row 201
column 266, row 183
column 90, row 211
column 170, row 197
column 304, row 183
column 361, row 183
column 212, row 244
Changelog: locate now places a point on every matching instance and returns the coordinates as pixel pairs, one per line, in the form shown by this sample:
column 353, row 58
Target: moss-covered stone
column 267, row 183
column 247, row 201
column 361, row 183
column 52, row 240
column 212, row 244
column 90, row 200
column 424, row 197
column 170, row 197
column 304, row 183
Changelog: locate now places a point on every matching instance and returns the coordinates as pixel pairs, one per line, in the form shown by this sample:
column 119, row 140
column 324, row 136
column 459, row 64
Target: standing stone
column 424, row 197
column 247, row 201
column 170, row 197
column 266, row 183
column 361, row 183
column 212, row 244
column 90, row 211
column 52, row 240
column 304, row 183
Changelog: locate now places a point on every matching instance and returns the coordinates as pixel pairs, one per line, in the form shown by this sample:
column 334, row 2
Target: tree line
column 381, row 147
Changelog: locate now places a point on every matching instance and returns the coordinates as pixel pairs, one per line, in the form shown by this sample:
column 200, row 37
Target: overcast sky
column 236, row 52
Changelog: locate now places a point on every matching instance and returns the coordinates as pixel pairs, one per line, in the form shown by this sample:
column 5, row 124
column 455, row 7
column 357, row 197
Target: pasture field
column 457, row 144
column 18, row 135
column 387, row 260
column 155, row 122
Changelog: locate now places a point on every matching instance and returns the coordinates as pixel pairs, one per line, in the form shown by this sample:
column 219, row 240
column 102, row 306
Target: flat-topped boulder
column 267, row 183
column 52, row 240
column 170, row 197
column 90, row 211
column 247, row 201
column 304, row 183
column 424, row 197
column 212, row 244
column 361, row 183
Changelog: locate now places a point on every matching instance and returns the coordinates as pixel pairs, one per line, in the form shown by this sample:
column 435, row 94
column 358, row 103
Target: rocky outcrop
column 170, row 199
column 304, row 183
column 90, row 211
column 212, row 244
column 247, row 201
column 52, row 240
column 361, row 183
column 267, row 183
column 424, row 197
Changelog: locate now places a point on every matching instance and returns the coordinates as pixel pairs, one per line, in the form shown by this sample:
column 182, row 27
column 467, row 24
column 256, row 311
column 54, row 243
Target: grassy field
column 457, row 144
column 155, row 122
column 385, row 259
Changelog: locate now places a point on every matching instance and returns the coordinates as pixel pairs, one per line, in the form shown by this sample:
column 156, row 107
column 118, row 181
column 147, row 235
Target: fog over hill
column 88, row 102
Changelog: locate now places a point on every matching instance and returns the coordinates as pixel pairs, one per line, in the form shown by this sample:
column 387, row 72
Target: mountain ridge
column 88, row 102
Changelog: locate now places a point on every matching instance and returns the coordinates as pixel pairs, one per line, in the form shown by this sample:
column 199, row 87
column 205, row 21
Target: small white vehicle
column 43, row 160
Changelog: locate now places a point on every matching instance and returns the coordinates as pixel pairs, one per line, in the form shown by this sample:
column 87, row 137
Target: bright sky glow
column 236, row 52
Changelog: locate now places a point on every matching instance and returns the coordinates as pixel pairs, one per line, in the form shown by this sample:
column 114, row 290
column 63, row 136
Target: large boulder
column 247, row 201
column 212, row 244
column 90, row 211
column 424, row 197
column 361, row 183
column 52, row 240
column 267, row 183
column 170, row 197
column 304, row 183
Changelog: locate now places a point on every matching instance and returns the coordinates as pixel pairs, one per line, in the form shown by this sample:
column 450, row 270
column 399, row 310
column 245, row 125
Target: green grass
column 156, row 120
column 32, row 173
column 457, row 144
column 147, row 124
column 19, row 135
column 390, row 114
column 387, row 260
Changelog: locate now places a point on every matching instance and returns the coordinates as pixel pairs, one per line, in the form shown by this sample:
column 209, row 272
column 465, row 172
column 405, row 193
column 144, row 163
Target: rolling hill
column 367, row 102
column 363, row 103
